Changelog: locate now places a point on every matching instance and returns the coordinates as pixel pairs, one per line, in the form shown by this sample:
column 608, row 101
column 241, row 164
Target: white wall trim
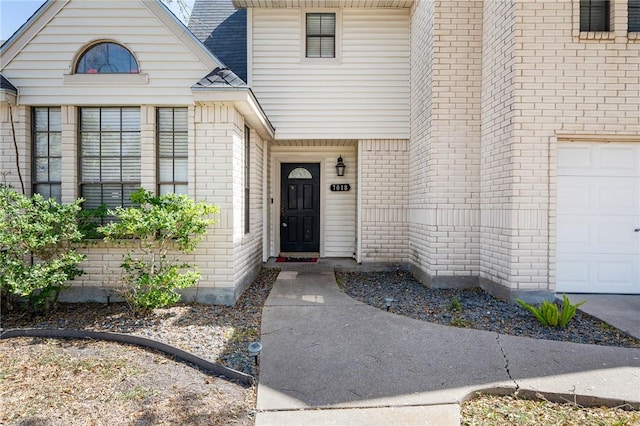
column 100, row 79
column 592, row 137
column 25, row 34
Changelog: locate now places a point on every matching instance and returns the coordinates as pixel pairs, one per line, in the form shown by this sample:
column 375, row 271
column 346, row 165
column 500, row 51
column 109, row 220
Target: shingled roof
column 6, row 85
column 223, row 30
column 220, row 77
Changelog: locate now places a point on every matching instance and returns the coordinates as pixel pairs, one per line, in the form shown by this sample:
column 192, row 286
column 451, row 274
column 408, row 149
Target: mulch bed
column 474, row 309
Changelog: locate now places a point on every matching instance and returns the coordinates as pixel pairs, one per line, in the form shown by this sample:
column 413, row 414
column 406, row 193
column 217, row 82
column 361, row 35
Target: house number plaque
column 339, row 187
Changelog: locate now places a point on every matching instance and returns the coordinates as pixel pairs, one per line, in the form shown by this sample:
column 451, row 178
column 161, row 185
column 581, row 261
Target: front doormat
column 281, row 259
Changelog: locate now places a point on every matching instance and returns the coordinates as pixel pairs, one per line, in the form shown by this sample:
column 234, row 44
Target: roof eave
column 28, row 30
column 162, row 12
column 244, row 100
column 50, row 9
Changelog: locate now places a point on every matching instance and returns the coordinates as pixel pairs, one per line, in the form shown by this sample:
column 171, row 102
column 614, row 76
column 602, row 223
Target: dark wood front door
column 300, row 207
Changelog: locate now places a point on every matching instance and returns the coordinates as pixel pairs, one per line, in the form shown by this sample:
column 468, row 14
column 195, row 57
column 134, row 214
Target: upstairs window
column 107, row 58
column 594, row 15
column 321, row 35
column 634, row 16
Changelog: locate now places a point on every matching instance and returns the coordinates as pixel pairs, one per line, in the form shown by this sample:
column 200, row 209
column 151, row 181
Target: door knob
column 284, row 225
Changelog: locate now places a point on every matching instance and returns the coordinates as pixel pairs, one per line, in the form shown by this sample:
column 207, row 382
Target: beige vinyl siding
column 39, row 69
column 340, row 207
column 362, row 94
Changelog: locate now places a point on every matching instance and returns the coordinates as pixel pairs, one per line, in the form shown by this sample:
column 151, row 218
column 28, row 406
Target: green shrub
column 548, row 313
column 460, row 322
column 89, row 220
column 156, row 227
column 36, row 258
column 455, row 304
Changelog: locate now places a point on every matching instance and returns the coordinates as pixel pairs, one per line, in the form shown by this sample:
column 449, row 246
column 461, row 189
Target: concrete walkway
column 328, row 359
column 619, row 310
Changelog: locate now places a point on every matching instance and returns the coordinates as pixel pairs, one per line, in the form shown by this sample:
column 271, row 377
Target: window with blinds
column 109, row 155
column 172, row 150
column 594, row 15
column 247, row 179
column 321, row 35
column 47, row 152
column 634, row 16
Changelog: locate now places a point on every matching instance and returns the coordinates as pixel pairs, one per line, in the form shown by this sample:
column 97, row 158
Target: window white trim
column 303, row 37
column 106, row 78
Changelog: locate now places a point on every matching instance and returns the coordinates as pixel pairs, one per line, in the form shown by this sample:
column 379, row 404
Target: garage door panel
column 599, row 273
column 573, row 233
column 575, row 159
column 573, row 196
column 616, row 196
column 581, row 195
column 593, row 159
column 615, row 236
column 596, row 235
column 610, row 273
column 616, row 159
column 598, row 208
column 572, row 269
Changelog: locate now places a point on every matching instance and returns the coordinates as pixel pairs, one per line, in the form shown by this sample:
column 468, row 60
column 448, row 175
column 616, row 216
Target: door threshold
column 299, row 254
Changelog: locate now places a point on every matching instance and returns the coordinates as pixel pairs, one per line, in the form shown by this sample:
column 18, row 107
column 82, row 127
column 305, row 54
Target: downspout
column 15, row 147
column 359, row 206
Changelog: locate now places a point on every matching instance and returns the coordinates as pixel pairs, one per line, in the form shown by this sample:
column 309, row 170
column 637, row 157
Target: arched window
column 107, row 58
column 300, row 173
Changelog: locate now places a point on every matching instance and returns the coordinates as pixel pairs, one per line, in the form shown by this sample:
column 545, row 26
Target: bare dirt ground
column 71, row 382
column 493, row 410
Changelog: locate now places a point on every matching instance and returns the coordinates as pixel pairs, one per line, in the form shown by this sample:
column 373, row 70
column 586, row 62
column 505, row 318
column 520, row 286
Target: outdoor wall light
column 340, row 166
column 254, row 349
column 388, row 301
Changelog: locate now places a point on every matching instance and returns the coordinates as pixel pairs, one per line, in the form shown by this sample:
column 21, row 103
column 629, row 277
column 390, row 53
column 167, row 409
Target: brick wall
column 218, row 174
column 248, row 247
column 544, row 80
column 227, row 258
column 497, row 132
column 384, row 182
column 445, row 139
column 21, row 125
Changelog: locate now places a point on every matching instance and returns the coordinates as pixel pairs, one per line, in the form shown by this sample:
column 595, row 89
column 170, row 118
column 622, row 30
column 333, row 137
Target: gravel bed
column 474, row 309
column 218, row 333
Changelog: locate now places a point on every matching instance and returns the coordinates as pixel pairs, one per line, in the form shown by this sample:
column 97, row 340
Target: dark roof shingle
column 220, row 77
column 6, row 84
column 223, row 30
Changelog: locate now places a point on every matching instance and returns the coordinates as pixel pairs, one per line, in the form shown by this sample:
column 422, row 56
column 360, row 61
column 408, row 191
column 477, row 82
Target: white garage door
column 598, row 242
